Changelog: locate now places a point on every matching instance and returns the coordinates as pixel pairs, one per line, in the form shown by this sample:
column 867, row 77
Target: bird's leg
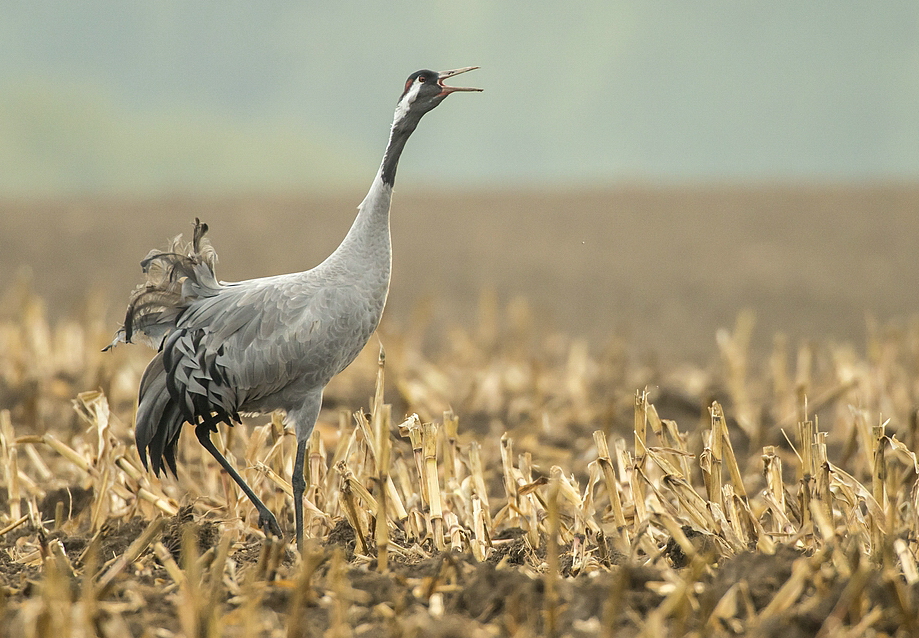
column 266, row 519
column 304, row 420
column 299, row 484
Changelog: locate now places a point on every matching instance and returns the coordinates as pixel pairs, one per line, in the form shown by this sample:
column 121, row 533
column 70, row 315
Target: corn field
column 508, row 483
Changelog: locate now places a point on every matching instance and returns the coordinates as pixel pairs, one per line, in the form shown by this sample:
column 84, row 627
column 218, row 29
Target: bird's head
column 423, row 91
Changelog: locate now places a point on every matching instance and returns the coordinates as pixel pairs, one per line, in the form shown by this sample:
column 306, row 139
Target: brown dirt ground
column 482, row 594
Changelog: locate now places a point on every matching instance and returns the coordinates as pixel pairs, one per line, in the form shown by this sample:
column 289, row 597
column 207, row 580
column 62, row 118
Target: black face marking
column 424, row 75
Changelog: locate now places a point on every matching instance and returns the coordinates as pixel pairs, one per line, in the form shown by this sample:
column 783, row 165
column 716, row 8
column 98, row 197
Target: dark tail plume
column 175, row 277
column 159, row 419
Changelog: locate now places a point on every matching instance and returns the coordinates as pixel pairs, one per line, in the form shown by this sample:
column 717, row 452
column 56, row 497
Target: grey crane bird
column 264, row 344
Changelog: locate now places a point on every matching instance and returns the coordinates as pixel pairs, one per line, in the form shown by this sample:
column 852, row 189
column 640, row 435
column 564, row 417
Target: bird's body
column 265, row 344
column 286, row 335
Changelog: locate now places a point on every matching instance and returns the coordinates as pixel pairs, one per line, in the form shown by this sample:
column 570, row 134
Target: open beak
column 443, row 75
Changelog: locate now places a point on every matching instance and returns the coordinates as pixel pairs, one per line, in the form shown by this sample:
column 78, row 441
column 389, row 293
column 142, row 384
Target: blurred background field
column 658, row 268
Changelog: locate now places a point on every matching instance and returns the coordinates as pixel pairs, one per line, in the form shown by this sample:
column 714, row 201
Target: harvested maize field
column 513, row 481
column 548, row 502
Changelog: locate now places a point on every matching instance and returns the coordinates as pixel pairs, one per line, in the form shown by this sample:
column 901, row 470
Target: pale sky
column 199, row 96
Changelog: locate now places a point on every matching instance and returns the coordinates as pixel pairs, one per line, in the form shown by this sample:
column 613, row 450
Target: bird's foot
column 269, row 524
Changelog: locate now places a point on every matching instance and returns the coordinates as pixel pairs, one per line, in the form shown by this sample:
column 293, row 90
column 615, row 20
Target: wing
column 259, row 339
column 225, row 351
column 227, row 348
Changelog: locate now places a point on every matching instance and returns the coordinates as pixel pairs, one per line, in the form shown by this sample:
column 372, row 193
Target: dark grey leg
column 299, row 484
column 266, row 519
column 304, row 420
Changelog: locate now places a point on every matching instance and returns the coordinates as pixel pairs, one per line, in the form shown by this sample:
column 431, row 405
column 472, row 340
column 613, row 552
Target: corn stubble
column 784, row 501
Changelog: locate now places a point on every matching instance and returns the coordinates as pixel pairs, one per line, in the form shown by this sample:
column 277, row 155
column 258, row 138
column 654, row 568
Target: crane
column 273, row 343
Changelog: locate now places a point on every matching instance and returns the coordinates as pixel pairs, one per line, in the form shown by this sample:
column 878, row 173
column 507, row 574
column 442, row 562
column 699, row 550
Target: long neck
column 367, row 245
column 398, row 136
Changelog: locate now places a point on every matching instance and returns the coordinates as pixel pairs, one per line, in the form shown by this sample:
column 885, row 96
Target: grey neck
column 367, row 246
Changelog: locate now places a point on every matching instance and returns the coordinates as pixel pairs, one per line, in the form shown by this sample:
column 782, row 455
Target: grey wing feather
column 262, row 341
column 220, row 358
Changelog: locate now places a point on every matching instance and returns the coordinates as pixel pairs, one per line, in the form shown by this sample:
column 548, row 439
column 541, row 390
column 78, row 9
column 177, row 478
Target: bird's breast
column 334, row 330
column 289, row 335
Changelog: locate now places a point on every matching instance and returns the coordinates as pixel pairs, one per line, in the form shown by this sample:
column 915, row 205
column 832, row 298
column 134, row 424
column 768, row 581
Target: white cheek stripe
column 406, row 102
